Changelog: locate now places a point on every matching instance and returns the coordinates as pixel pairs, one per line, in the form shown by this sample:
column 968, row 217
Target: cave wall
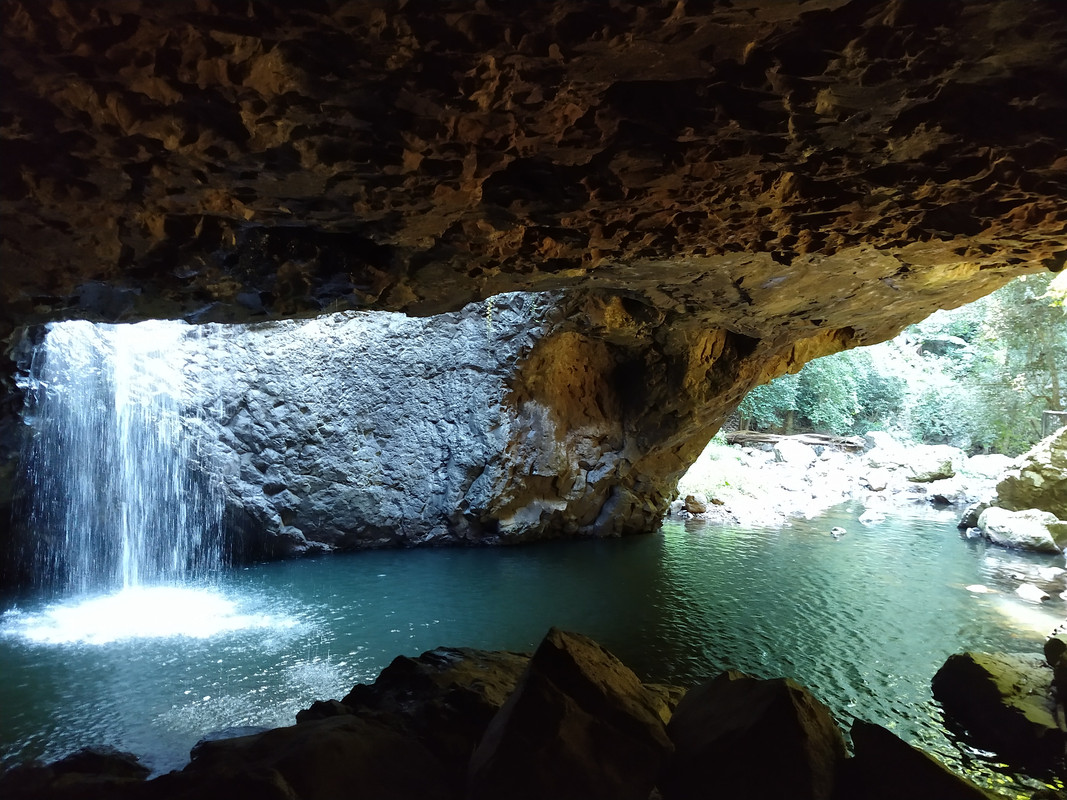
column 521, row 417
column 363, row 429
column 717, row 192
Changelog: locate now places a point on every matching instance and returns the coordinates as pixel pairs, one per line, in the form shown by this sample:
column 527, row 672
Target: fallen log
column 813, row 439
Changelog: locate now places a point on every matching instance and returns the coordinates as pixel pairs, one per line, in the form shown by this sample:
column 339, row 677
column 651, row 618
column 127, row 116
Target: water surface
column 864, row 621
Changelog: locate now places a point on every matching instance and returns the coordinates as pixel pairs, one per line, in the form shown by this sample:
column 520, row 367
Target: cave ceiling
column 775, row 169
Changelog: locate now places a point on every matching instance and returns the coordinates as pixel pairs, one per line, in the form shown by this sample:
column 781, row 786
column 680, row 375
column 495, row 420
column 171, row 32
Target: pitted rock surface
column 792, row 165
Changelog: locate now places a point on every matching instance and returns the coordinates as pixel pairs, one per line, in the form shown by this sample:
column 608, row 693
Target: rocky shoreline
column 1019, row 503
column 569, row 722
column 771, row 483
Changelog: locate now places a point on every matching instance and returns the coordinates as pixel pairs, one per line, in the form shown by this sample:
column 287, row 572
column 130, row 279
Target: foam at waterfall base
column 150, row 612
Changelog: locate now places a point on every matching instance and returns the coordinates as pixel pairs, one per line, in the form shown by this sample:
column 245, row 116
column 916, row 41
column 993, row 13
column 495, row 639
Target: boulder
column 987, row 465
column 445, row 698
column 89, row 773
column 696, row 503
column 884, row 767
column 316, row 760
column 579, row 726
column 1040, row 478
column 969, row 518
column 1004, row 703
column 1056, row 646
column 1026, row 530
column 739, row 736
column 1056, row 657
column 792, row 452
column 934, row 462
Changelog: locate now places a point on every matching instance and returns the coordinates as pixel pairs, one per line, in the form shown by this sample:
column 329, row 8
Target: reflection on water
column 864, row 621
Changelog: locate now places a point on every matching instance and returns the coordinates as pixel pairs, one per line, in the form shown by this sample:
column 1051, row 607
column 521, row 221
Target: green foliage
column 827, row 397
column 767, row 406
column 985, row 391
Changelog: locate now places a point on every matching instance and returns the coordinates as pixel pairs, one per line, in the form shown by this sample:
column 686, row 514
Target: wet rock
column 87, row 774
column 1004, row 703
column 884, row 767
column 1040, row 479
column 236, row 732
column 872, row 516
column 1056, row 646
column 1056, row 657
column 316, row 760
column 969, row 518
column 1027, row 530
column 445, row 698
column 580, row 726
column 739, row 736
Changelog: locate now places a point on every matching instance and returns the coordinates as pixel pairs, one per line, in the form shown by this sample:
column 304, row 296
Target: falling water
column 120, row 492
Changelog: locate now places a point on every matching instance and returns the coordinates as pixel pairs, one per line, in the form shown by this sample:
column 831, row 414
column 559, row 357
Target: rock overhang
column 717, row 193
column 756, row 162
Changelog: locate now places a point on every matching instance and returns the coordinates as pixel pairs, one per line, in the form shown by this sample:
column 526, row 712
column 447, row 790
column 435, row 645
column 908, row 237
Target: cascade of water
column 120, row 496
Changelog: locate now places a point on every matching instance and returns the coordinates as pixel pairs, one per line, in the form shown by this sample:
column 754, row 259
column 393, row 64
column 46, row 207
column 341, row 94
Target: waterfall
column 120, row 492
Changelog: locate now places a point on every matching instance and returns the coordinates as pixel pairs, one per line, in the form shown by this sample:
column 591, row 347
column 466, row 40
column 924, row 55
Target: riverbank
column 770, row 484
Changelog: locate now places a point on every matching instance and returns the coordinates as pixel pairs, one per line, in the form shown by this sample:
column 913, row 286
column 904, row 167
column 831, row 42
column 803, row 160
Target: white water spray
column 120, row 492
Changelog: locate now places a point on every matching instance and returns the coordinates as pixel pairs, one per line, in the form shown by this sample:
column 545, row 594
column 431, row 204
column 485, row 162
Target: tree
column 997, row 365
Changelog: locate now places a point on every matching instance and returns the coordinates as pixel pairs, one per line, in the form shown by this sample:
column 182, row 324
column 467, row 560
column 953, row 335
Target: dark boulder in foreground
column 570, row 722
column 1005, row 703
column 87, row 773
column 319, row 760
column 579, row 725
column 735, row 727
column 885, row 767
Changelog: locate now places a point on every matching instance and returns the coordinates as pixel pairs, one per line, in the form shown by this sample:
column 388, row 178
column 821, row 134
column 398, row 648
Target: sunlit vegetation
column 978, row 377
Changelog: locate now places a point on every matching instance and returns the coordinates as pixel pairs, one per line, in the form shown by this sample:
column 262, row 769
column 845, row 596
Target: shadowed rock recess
column 710, row 193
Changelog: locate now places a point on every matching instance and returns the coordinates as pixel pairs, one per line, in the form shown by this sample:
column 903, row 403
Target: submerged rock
column 739, row 736
column 1005, row 704
column 1035, row 594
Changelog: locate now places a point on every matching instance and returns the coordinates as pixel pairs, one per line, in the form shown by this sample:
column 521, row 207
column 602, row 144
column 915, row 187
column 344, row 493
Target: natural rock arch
column 717, row 193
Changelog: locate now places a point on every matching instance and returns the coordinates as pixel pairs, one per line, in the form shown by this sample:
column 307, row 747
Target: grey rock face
column 366, row 429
